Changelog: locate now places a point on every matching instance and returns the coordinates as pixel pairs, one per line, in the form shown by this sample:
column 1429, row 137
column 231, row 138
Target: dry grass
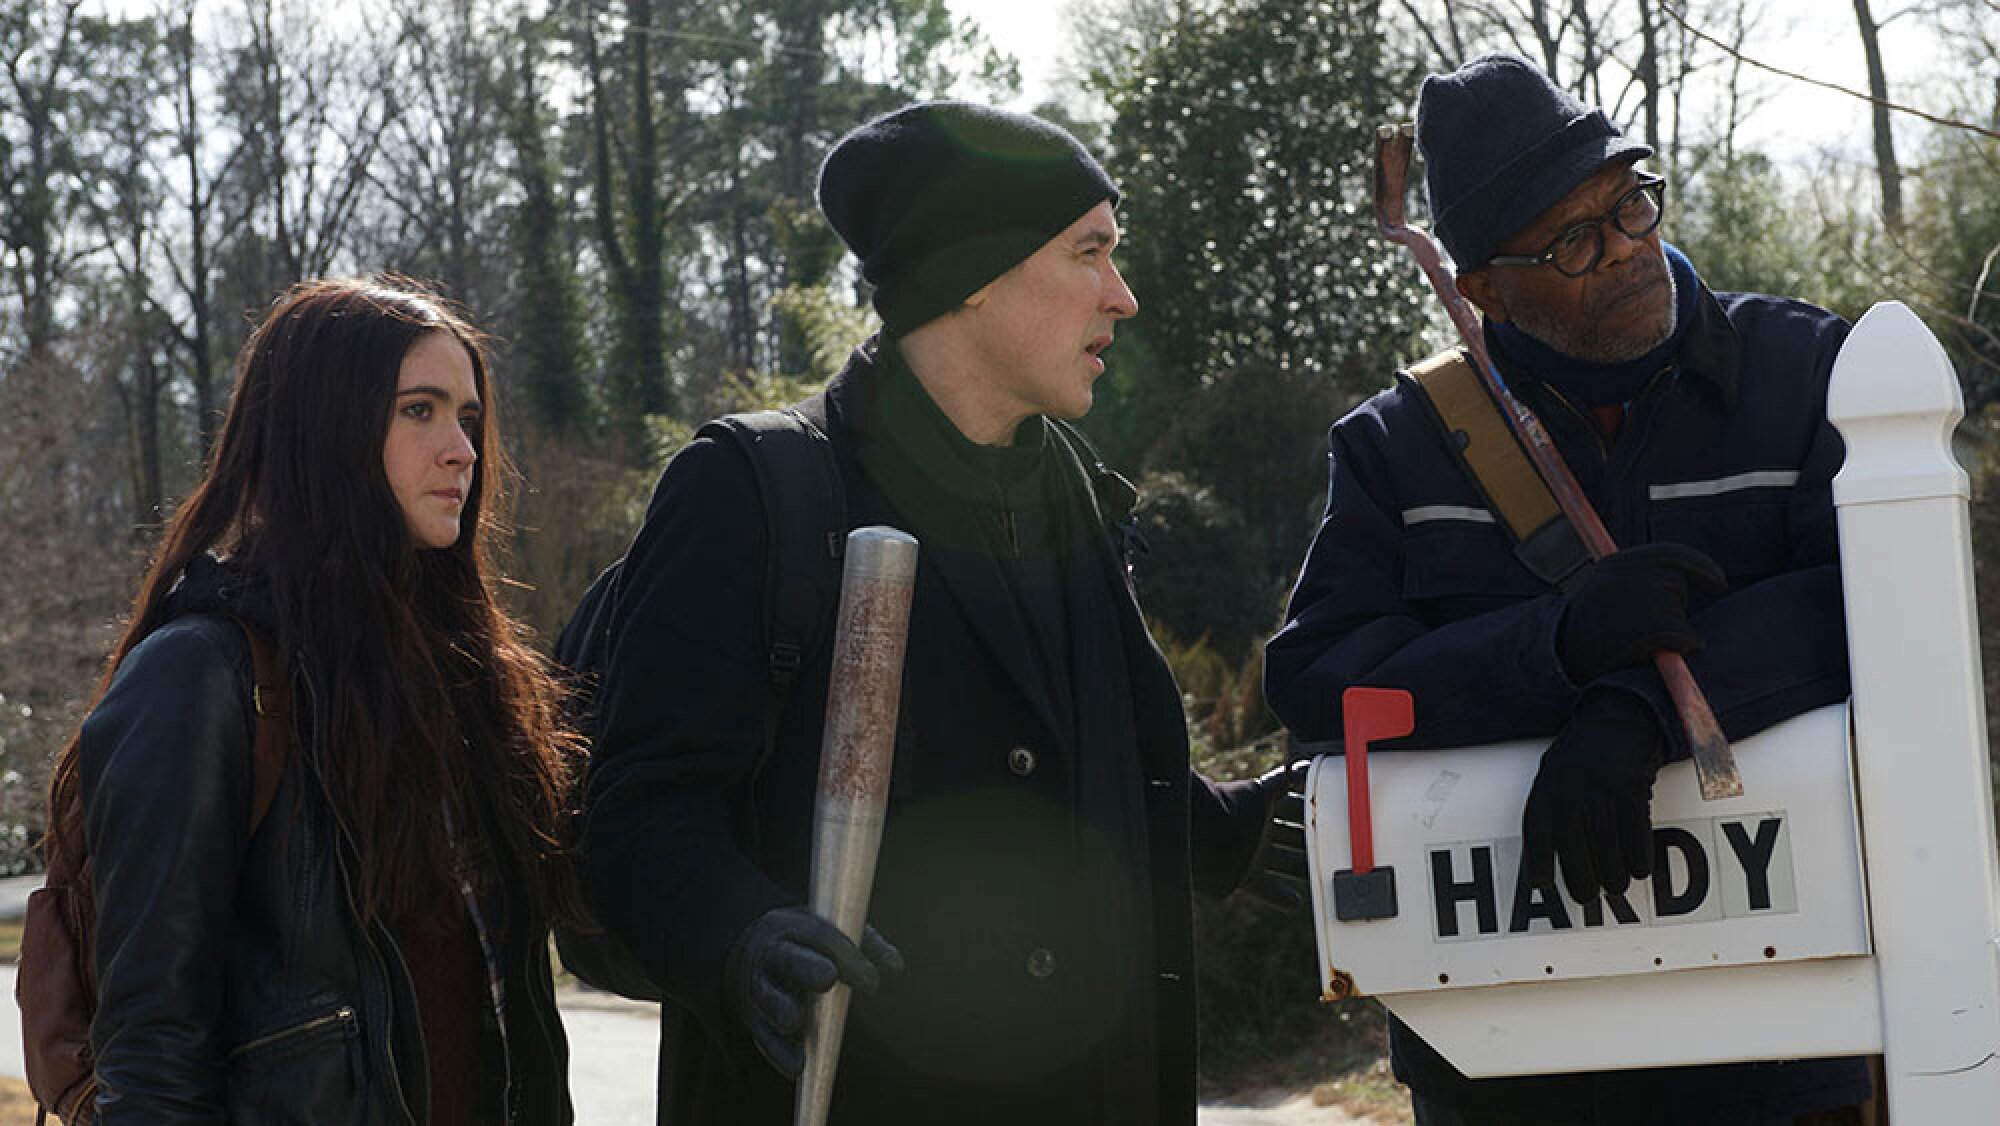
column 1367, row 1092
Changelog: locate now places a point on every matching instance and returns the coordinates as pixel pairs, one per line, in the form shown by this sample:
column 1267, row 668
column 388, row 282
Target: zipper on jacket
column 489, row 950
column 1013, row 531
column 543, row 1017
column 344, row 1016
column 385, row 1050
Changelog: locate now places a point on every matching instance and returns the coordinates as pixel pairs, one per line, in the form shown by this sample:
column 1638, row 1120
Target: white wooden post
column 1924, row 781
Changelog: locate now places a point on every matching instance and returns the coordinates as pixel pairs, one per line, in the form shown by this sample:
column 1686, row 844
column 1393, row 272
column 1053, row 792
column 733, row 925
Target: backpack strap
column 1544, row 539
column 271, row 701
column 805, row 516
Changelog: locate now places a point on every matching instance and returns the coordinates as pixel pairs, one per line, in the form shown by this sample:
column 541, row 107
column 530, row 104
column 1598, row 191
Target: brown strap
column 271, row 698
column 1470, row 416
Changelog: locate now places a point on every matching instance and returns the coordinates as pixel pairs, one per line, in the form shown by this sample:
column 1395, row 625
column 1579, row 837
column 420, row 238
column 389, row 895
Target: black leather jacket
column 236, row 981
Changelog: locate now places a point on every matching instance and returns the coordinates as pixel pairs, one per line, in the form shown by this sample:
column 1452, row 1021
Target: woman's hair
column 422, row 695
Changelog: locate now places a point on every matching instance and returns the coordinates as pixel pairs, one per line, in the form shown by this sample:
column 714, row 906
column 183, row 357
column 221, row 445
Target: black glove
column 782, row 963
column 1278, row 868
column 1632, row 604
column 1592, row 802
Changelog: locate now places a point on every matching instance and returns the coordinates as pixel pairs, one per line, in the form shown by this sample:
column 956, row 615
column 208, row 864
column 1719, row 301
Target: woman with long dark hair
column 368, row 941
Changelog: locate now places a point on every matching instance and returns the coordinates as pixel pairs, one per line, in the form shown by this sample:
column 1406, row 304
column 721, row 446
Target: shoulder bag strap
column 271, row 700
column 1544, row 539
column 805, row 513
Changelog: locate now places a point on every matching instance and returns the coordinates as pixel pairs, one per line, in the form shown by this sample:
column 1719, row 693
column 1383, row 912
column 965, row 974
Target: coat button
column 1021, row 761
column 1041, row 963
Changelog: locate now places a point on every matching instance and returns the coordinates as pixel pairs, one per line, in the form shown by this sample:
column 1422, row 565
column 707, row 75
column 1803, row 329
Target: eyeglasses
column 1580, row 247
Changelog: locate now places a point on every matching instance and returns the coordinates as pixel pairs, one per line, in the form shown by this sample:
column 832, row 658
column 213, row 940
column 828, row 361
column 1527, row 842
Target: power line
column 1739, row 56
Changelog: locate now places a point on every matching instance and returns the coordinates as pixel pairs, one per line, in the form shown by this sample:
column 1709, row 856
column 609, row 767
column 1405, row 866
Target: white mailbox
column 1848, row 902
column 1770, row 878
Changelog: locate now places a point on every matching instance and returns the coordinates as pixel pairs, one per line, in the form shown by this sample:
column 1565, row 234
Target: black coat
column 235, row 980
column 1036, row 883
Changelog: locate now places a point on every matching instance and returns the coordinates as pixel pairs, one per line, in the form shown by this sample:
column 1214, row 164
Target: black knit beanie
column 1501, row 145
column 939, row 198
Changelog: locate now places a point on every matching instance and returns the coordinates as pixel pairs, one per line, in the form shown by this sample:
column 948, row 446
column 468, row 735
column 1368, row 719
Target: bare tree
column 439, row 168
column 203, row 159
column 629, row 225
column 124, row 211
column 1649, row 74
column 1645, row 67
column 1887, row 173
column 39, row 48
column 310, row 109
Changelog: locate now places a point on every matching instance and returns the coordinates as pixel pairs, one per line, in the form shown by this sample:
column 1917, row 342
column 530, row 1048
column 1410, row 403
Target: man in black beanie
column 1044, row 825
column 1696, row 424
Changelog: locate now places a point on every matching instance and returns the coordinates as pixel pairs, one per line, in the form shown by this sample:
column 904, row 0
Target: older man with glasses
column 1696, row 424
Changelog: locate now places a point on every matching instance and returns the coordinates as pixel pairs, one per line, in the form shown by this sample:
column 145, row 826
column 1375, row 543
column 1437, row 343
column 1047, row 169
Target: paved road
column 14, row 895
column 613, row 1048
column 614, row 1045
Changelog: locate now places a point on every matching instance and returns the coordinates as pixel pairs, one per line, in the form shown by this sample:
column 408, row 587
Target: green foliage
column 1199, row 576
column 1954, row 236
column 1256, row 437
column 551, row 356
column 1736, row 226
column 831, row 327
column 752, row 93
column 1977, row 446
column 1244, row 137
column 1747, row 228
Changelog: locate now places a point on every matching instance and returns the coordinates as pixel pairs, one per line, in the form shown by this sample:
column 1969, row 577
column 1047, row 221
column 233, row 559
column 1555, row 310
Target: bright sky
column 1035, row 32
column 1798, row 122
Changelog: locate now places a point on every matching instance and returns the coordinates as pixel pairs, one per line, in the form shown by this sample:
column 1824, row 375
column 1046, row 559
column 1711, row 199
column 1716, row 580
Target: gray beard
column 1593, row 347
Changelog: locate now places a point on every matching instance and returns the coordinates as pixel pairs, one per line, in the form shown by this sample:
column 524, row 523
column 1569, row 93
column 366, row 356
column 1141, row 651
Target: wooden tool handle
column 1714, row 763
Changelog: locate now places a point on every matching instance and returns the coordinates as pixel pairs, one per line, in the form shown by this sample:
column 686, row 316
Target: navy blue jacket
column 1411, row 584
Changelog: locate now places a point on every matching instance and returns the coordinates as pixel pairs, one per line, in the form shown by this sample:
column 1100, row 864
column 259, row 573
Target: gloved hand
column 1632, row 604
column 1278, row 868
column 782, row 963
column 1591, row 804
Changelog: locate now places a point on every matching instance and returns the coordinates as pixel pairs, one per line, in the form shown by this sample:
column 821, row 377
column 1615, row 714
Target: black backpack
column 805, row 512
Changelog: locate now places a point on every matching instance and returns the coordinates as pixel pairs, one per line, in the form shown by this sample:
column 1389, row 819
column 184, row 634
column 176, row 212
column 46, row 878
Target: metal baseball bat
column 1714, row 763
column 857, row 749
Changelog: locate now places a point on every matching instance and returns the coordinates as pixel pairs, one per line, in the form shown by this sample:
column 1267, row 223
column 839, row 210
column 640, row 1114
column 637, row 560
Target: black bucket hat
column 1501, row 145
